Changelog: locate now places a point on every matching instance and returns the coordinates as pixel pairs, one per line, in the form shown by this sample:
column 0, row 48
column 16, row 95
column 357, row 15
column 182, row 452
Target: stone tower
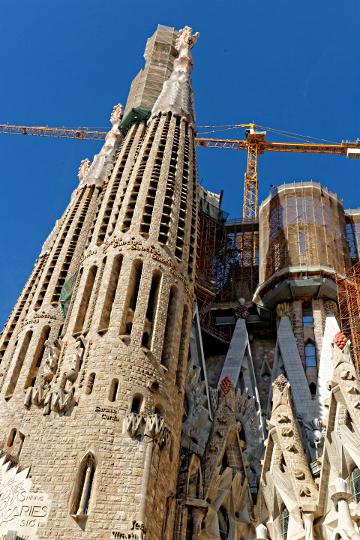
column 95, row 351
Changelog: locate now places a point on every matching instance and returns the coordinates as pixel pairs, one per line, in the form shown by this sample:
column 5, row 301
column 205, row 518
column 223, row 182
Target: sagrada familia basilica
column 142, row 396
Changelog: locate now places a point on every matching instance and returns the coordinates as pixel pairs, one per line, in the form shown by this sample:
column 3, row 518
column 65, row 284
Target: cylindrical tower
column 97, row 398
column 302, row 225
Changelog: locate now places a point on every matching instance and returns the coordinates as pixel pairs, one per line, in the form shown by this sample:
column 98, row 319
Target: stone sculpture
column 197, row 424
column 97, row 174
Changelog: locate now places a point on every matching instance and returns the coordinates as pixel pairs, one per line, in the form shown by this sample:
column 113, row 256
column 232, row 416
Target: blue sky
column 292, row 66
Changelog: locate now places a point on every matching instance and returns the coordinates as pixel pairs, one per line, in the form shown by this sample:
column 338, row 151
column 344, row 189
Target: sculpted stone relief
column 197, row 424
column 152, row 426
column 56, row 399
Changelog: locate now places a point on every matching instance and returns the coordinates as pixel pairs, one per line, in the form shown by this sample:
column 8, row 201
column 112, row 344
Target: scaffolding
column 302, row 225
column 348, row 283
column 352, row 218
column 224, row 272
column 236, row 272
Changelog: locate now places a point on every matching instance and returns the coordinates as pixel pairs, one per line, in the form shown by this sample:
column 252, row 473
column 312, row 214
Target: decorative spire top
column 97, row 173
column 226, row 384
column 177, row 95
column 117, row 114
column 281, row 382
column 85, row 164
column 186, row 39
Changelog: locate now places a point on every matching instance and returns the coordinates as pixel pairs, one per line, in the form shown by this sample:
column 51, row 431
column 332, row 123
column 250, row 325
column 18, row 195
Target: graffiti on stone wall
column 21, row 511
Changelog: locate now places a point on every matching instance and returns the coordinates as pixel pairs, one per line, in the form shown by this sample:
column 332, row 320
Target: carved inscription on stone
column 137, row 531
column 20, row 510
column 108, row 413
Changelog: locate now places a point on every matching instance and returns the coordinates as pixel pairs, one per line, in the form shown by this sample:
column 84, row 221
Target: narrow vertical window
column 18, row 364
column 110, row 293
column 169, row 328
column 38, row 356
column 84, row 304
column 183, row 348
column 152, row 307
column 355, row 484
column 114, row 387
column 136, row 404
column 132, row 294
column 307, row 314
column 12, row 437
column 310, row 355
column 81, row 498
column 284, row 523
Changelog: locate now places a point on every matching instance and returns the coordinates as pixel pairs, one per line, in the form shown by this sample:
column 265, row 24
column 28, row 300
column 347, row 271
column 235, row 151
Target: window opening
column 110, row 293
column 84, row 304
column 39, row 353
column 18, row 364
column 224, row 463
column 88, row 491
column 114, row 386
column 284, row 523
column 135, row 406
column 355, row 484
column 307, row 314
column 310, row 355
column 312, row 387
column 223, row 520
column 169, row 328
column 183, row 348
column 12, row 437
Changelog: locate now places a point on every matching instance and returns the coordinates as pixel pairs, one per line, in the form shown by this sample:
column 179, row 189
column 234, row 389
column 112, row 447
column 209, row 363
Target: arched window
column 18, row 364
column 310, row 355
column 81, row 496
column 12, row 437
column 114, row 386
column 284, row 523
column 136, row 403
column 158, row 409
column 223, row 520
column 355, row 484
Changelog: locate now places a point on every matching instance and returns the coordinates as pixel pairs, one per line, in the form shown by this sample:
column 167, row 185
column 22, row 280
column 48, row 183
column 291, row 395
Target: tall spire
column 177, row 96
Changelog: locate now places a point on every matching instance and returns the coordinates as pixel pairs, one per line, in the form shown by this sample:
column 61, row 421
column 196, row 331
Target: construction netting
column 348, row 283
column 66, row 293
column 160, row 54
column 302, row 225
column 352, row 218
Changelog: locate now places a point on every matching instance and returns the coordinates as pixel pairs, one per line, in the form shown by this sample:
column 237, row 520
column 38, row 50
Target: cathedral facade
column 125, row 412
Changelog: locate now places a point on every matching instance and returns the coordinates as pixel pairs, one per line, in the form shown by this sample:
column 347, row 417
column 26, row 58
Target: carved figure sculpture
column 58, row 400
column 52, row 353
column 197, row 424
column 37, row 395
column 245, row 413
column 75, row 362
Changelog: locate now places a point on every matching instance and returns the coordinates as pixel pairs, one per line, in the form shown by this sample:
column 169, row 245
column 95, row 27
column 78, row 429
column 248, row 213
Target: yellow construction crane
column 255, row 144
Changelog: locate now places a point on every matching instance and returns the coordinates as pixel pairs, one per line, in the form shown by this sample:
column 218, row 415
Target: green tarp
column 66, row 293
